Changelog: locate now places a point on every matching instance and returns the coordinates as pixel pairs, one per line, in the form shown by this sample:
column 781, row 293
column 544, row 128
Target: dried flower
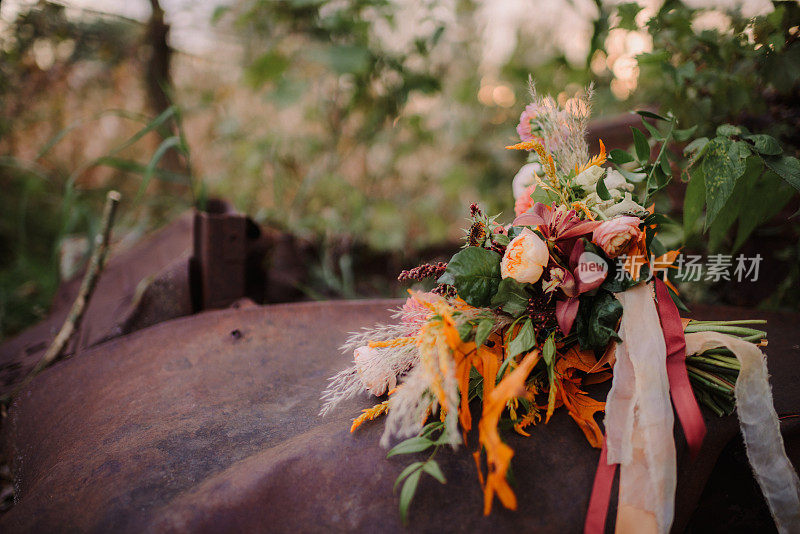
column 364, row 357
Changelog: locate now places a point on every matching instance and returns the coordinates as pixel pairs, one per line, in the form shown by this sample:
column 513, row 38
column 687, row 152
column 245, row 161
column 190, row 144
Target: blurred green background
column 365, row 127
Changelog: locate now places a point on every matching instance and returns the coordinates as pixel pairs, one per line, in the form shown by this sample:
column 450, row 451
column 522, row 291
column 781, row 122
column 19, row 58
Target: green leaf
column 549, row 350
column 693, row 201
column 501, row 239
column 464, row 331
column 651, row 115
column 483, row 331
column 407, row 471
column 432, row 468
column 602, row 190
column 765, row 145
column 733, row 208
column 765, row 198
column 683, row 135
column 407, row 493
column 653, row 131
column 596, row 323
column 266, row 67
column 475, row 273
column 641, row 146
column 545, row 196
column 722, row 166
column 787, row 168
column 727, row 130
column 524, row 340
column 345, row 59
column 627, row 15
column 696, row 146
column 620, row 157
column 410, row 446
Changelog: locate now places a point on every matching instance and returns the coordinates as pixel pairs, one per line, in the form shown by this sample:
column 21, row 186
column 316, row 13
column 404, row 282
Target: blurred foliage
column 740, row 85
column 747, row 73
column 54, row 171
column 364, row 125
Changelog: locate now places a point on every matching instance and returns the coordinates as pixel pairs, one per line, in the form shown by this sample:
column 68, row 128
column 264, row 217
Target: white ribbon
column 639, row 419
column 760, row 427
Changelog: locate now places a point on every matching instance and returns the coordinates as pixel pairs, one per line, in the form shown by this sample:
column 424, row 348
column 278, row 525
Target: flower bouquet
column 574, row 292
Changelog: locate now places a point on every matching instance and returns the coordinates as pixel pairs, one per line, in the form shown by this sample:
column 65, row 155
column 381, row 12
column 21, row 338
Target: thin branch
column 73, row 321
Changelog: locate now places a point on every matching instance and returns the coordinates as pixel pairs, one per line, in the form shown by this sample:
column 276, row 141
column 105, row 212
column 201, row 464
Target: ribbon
column 601, row 494
column 683, row 400
column 694, row 428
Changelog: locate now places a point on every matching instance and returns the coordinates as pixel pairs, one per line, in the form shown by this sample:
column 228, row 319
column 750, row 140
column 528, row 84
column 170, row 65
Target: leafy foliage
column 475, row 273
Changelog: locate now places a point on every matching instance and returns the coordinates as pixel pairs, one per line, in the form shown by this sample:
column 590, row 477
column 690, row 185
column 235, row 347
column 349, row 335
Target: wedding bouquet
column 575, row 291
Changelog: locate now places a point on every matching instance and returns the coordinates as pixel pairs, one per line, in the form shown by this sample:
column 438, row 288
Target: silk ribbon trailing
column 760, row 427
column 650, row 365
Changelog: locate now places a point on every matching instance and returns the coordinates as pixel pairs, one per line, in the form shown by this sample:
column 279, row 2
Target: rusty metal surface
column 203, row 260
column 209, row 424
column 126, row 285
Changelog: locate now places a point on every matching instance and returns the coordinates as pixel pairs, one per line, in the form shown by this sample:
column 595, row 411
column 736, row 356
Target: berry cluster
column 426, row 270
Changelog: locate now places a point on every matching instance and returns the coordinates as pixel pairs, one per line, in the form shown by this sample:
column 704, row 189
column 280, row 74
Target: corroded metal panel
column 209, row 423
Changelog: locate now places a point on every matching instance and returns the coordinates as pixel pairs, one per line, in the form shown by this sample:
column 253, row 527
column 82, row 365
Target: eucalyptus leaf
column 727, row 130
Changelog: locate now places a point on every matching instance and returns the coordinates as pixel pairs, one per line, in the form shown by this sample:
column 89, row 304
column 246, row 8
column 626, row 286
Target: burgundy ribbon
column 601, row 494
column 694, row 428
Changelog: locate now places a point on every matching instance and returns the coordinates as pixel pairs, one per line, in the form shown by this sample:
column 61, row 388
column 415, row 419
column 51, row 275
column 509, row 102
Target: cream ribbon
column 639, row 419
column 639, row 422
column 760, row 427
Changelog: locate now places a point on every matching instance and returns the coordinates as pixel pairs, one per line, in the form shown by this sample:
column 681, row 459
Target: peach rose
column 524, row 202
column 615, row 235
column 525, row 258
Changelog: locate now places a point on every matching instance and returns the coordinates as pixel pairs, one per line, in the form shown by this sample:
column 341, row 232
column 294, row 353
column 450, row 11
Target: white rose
column 525, row 258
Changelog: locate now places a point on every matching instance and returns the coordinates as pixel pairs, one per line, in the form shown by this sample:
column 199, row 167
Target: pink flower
column 527, row 123
column 524, row 201
column 525, row 258
column 615, row 235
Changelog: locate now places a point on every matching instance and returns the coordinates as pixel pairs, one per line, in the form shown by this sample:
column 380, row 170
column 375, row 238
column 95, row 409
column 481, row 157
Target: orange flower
column 498, row 454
